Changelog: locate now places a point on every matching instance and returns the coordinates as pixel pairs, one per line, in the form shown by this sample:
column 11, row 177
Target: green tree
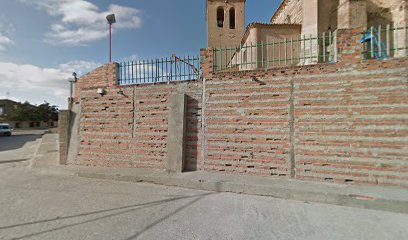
column 22, row 112
column 46, row 112
column 27, row 112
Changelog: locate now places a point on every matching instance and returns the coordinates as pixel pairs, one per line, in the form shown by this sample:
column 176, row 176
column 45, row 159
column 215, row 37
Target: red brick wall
column 350, row 126
column 247, row 125
column 101, row 77
column 344, row 122
column 353, row 127
column 127, row 127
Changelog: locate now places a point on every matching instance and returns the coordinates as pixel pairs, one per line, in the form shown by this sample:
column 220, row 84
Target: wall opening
column 220, row 17
column 232, row 18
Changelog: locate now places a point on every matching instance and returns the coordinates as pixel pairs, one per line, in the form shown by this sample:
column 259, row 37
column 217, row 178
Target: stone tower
column 225, row 22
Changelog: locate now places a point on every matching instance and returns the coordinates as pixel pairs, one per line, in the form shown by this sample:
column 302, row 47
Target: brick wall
column 127, row 127
column 353, row 127
column 104, row 76
column 348, row 126
column 247, row 125
column 345, row 122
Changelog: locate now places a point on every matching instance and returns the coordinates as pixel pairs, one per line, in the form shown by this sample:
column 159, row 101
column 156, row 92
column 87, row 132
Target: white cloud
column 81, row 21
column 5, row 29
column 133, row 57
column 4, row 42
column 36, row 85
column 80, row 67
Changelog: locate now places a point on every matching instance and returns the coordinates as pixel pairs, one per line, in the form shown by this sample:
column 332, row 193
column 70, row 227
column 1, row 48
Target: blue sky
column 43, row 41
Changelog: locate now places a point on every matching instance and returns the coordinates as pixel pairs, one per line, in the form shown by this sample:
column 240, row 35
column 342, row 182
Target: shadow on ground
column 17, row 141
column 110, row 213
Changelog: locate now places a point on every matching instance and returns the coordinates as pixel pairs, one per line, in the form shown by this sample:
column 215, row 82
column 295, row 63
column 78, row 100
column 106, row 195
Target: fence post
column 380, row 42
column 396, row 41
column 335, row 47
column 267, row 54
column 372, row 41
column 324, row 46
column 388, row 40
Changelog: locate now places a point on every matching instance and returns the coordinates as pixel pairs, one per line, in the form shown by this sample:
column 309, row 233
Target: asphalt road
column 19, row 147
column 53, row 207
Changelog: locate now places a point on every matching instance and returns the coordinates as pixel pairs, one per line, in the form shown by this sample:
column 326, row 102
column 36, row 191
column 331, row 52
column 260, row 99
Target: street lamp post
column 111, row 20
column 72, row 81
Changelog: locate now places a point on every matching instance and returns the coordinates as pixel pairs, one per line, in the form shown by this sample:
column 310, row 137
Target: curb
column 347, row 200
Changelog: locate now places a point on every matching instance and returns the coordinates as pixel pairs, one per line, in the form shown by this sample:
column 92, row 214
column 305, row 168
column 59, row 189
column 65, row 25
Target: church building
column 293, row 21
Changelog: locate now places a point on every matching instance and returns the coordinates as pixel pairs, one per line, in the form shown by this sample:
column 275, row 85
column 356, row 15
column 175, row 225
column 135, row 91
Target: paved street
column 19, row 147
column 37, row 206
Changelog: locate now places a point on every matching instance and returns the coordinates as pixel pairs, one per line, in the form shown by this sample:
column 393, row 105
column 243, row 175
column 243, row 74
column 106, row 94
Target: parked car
column 5, row 129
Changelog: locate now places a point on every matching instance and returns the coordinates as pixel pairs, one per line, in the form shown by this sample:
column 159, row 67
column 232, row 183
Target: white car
column 5, row 129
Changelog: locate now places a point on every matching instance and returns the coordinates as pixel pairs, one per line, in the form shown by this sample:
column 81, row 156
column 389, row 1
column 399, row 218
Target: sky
column 43, row 41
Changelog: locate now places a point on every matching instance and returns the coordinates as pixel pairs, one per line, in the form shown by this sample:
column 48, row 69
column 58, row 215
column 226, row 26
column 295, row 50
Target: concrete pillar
column 352, row 14
column 63, row 128
column 74, row 133
column 310, row 28
column 400, row 19
column 176, row 133
column 310, row 17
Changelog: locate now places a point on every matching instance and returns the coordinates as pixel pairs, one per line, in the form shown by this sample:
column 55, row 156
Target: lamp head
column 111, row 18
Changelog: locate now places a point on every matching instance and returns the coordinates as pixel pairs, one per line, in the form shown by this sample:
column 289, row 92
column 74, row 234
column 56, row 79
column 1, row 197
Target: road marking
column 36, row 152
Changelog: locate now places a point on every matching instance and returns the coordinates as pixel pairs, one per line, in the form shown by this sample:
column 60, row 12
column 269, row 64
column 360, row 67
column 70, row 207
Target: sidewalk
column 391, row 199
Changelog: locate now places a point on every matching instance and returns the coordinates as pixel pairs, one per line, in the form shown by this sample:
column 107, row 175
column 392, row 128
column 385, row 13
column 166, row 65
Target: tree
column 22, row 112
column 46, row 112
column 27, row 112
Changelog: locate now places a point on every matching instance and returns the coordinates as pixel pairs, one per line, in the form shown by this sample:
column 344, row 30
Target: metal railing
column 384, row 42
column 159, row 70
column 297, row 50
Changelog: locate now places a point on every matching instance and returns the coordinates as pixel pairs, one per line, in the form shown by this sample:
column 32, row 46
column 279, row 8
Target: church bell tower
column 225, row 22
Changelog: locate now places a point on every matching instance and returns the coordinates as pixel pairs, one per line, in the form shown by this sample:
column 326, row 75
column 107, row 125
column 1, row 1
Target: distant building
column 6, row 108
column 9, row 107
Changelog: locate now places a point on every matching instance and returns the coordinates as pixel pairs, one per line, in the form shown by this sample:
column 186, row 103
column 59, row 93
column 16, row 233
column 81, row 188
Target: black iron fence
column 159, row 70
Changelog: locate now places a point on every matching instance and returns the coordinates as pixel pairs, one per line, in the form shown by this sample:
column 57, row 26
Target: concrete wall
column 344, row 122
